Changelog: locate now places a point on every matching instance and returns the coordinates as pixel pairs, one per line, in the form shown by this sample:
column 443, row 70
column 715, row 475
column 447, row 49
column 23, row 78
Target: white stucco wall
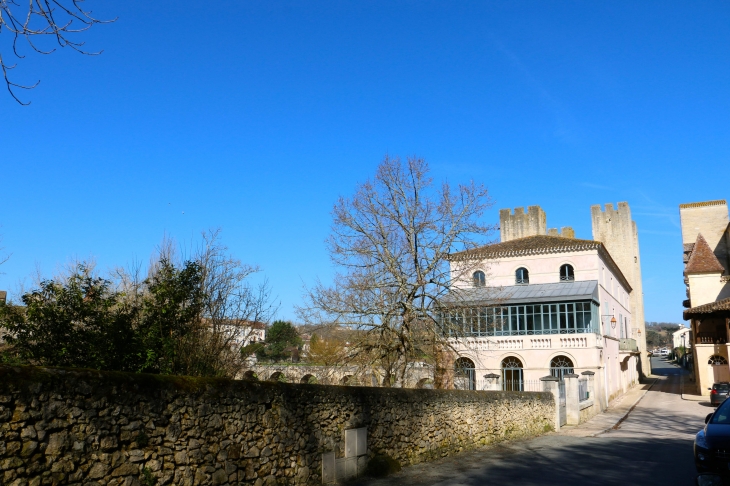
column 587, row 265
column 707, row 287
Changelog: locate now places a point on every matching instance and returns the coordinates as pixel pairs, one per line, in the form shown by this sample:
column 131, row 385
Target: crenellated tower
column 617, row 231
column 521, row 224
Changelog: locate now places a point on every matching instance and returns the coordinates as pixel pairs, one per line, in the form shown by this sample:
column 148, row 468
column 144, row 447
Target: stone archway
column 250, row 375
column 425, row 383
column 309, row 379
column 465, row 374
column 277, row 376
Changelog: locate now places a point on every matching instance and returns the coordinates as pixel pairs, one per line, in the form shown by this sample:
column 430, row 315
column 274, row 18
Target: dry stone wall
column 85, row 427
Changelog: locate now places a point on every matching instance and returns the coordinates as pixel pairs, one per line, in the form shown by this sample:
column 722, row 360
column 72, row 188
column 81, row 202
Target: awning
column 527, row 294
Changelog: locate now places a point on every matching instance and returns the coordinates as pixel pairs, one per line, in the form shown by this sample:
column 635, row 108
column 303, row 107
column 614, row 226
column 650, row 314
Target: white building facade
column 541, row 305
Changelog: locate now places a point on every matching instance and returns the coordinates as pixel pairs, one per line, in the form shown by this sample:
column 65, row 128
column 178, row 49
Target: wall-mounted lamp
column 613, row 322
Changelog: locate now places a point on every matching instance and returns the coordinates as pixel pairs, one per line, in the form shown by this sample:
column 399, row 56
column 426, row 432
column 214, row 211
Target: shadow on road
column 559, row 460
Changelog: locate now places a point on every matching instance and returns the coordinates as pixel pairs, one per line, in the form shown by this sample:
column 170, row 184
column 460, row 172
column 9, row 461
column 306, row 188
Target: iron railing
column 522, row 385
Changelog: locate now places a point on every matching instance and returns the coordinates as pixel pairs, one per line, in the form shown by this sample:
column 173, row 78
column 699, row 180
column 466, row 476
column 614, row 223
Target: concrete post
column 550, row 384
column 491, row 382
column 572, row 410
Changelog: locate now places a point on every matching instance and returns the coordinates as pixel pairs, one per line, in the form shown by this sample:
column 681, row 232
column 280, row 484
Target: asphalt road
column 653, row 446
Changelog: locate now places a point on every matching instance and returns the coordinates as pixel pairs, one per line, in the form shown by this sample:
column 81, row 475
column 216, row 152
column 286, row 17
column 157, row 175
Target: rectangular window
column 554, row 317
column 526, row 319
column 538, row 319
column 521, row 318
column 571, row 316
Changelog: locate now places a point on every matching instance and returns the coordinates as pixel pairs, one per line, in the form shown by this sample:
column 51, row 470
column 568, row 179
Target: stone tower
column 521, row 224
column 617, row 231
column 710, row 218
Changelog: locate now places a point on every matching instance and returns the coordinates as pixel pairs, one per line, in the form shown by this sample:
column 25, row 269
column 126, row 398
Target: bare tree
column 391, row 242
column 34, row 20
column 234, row 307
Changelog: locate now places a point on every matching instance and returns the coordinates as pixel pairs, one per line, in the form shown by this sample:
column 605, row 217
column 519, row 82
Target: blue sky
column 253, row 117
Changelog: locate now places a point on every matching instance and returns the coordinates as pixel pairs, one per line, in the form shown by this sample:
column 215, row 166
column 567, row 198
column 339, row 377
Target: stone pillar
column 550, row 384
column 491, row 382
column 590, row 377
column 572, row 409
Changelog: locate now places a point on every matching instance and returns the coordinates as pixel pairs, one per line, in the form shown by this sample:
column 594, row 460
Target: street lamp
column 613, row 322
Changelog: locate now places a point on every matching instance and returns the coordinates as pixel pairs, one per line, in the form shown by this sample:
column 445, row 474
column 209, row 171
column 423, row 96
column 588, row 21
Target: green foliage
column 82, row 322
column 282, row 342
column 172, row 311
column 251, row 349
column 659, row 334
column 147, row 478
column 78, row 323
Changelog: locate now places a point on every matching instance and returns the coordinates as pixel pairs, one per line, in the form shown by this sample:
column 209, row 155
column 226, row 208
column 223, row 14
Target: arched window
column 480, row 280
column 512, row 374
column 566, row 273
column 716, row 359
column 560, row 366
column 522, row 276
column 465, row 374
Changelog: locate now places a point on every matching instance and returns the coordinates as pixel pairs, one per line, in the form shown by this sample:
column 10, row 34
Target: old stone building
column 706, row 245
column 542, row 302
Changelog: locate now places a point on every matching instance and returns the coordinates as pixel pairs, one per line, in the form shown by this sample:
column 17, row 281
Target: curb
column 625, row 416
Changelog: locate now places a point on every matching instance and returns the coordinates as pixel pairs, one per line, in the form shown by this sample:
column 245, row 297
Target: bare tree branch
column 391, row 242
column 38, row 19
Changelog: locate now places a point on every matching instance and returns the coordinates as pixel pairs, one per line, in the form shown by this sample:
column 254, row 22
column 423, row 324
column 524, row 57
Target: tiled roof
column 524, row 294
column 719, row 306
column 529, row 245
column 702, row 259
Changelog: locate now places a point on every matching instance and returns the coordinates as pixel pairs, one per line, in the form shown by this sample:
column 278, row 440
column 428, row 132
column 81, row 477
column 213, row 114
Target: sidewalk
column 616, row 412
column 689, row 391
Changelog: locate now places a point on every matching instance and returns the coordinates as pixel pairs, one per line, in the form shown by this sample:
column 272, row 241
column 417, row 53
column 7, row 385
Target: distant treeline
column 659, row 334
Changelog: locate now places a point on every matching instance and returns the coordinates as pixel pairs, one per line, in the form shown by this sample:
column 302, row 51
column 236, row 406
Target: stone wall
column 66, row 427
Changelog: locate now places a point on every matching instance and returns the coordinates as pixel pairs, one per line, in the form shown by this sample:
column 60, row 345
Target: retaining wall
column 74, row 426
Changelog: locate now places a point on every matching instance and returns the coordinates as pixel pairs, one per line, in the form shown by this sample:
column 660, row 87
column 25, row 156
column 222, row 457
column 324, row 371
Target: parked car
column 712, row 443
column 719, row 392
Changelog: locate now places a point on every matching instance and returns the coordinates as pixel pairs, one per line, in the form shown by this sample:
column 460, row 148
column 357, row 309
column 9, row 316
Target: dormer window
column 566, row 273
column 480, row 280
column 522, row 276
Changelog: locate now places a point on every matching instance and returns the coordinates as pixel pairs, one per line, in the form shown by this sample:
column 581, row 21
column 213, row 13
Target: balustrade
column 574, row 342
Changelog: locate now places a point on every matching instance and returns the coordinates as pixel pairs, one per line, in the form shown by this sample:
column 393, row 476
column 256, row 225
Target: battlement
column 520, row 224
column 717, row 202
column 564, row 232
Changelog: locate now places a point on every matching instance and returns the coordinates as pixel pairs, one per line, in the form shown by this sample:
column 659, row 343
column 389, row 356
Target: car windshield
column 722, row 414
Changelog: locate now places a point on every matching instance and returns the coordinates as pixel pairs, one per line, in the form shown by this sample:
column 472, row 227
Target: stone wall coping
column 549, row 378
column 588, row 373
